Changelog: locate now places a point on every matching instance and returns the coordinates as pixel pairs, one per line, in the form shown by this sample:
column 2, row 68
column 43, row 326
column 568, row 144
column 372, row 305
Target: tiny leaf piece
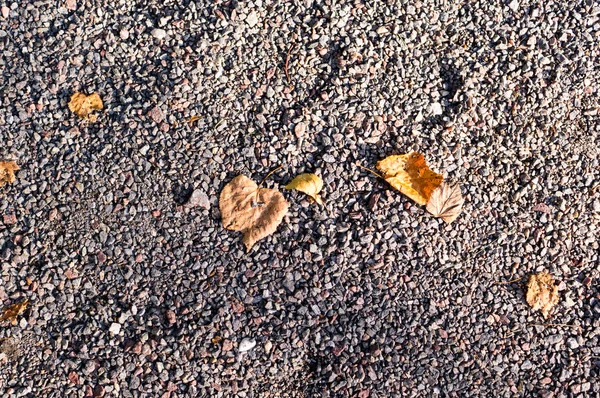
column 254, row 211
column 410, row 175
column 446, row 202
column 308, row 183
column 542, row 293
column 193, row 119
column 7, row 172
column 11, row 312
column 82, row 105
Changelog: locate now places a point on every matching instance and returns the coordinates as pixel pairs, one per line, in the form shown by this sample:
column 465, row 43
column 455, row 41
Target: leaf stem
column 370, row 171
column 267, row 176
column 508, row 282
column 555, row 325
column 287, row 64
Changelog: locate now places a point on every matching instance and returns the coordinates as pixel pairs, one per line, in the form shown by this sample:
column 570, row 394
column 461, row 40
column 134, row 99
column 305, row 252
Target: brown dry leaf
column 308, row 183
column 11, row 312
column 82, row 105
column 7, row 172
column 410, row 175
column 542, row 293
column 254, row 211
column 446, row 201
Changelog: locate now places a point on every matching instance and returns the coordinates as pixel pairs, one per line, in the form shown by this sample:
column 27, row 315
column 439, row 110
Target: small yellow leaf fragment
column 193, row 119
column 256, row 212
column 82, row 105
column 7, row 172
column 410, row 175
column 542, row 293
column 11, row 312
column 308, row 183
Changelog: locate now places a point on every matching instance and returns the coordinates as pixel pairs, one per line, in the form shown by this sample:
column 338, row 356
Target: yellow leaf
column 11, row 312
column 310, row 184
column 542, row 293
column 410, row 175
column 254, row 211
column 82, row 105
column 7, row 172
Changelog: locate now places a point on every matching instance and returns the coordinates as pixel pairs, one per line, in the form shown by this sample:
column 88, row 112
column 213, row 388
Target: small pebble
column 158, row 33
column 115, row 328
column 436, row 109
column 252, row 19
column 198, row 199
column 247, row 344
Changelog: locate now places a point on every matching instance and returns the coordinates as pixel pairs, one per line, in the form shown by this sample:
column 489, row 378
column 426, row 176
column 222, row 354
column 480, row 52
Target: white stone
column 572, row 343
column 436, row 108
column 159, row 33
column 199, row 199
column 252, row 19
column 419, row 117
column 268, row 346
column 247, row 345
column 115, row 328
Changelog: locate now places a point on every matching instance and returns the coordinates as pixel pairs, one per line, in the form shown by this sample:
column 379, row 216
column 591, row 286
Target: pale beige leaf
column 542, row 293
column 256, row 212
column 410, row 175
column 7, row 172
column 308, row 183
column 446, row 202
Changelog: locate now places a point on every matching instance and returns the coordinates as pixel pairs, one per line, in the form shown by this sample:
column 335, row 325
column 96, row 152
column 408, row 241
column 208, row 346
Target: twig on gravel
column 508, row 282
column 371, row 171
column 267, row 176
column 218, row 124
column 555, row 325
column 287, row 64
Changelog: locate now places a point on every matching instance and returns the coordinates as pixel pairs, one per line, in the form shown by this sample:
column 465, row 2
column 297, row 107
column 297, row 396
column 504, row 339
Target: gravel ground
column 136, row 294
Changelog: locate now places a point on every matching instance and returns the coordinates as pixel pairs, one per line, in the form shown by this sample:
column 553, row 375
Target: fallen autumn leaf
column 11, row 312
column 308, row 183
column 254, row 211
column 82, row 105
column 446, row 202
column 542, row 293
column 7, row 172
column 410, row 175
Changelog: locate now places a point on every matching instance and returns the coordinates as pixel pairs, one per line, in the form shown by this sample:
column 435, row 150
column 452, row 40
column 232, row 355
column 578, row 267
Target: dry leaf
column 310, row 184
column 542, row 293
column 254, row 211
column 11, row 312
column 7, row 172
column 446, row 202
column 82, row 105
column 410, row 175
